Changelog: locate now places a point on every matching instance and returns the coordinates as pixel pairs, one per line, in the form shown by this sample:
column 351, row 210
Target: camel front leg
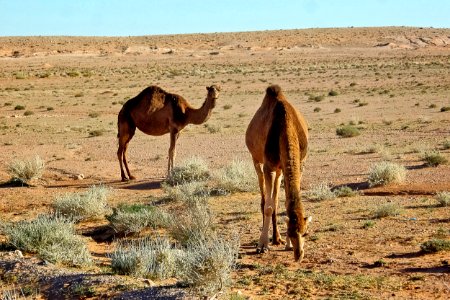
column 174, row 134
column 276, row 237
column 269, row 180
column 260, row 173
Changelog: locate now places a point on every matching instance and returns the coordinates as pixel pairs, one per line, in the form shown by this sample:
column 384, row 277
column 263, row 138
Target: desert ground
column 393, row 83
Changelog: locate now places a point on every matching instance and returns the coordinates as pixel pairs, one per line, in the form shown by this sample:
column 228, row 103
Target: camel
column 277, row 138
column 157, row 112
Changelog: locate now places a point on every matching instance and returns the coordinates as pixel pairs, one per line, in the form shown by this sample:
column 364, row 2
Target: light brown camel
column 157, row 112
column 277, row 138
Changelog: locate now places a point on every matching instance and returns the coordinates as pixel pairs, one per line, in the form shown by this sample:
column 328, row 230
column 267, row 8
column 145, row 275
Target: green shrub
column 333, row 93
column 134, row 218
column 53, row 238
column 445, row 108
column 317, row 109
column 446, row 144
column 384, row 173
column 207, row 263
column 345, row 191
column 443, row 198
column 26, row 170
column 188, row 192
column 434, row 158
column 154, row 258
column 316, row 98
column 436, row 245
column 239, row 176
column 193, row 169
column 94, row 114
column 28, row 113
column 387, row 210
column 347, row 131
column 97, row 132
column 79, row 206
column 213, row 128
column 320, row 192
column 337, row 110
column 227, row 106
column 19, row 107
column 194, row 222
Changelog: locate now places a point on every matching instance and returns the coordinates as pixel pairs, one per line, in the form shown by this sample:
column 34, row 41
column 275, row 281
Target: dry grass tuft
column 384, row 173
column 26, row 170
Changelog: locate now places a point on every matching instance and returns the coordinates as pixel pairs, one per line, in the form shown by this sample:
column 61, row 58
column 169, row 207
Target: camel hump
column 274, row 90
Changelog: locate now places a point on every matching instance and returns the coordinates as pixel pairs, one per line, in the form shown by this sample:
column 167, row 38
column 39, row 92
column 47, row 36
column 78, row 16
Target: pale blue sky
column 149, row 17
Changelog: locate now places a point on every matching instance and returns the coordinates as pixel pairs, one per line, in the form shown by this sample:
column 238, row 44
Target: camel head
column 297, row 230
column 213, row 92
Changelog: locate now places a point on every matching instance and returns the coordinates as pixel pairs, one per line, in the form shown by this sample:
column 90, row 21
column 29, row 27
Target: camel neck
column 202, row 114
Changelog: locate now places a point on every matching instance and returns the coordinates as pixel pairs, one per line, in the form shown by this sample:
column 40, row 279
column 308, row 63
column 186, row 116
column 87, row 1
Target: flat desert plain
column 60, row 97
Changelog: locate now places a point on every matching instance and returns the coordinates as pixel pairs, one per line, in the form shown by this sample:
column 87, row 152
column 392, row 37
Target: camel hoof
column 288, row 248
column 277, row 242
column 132, row 178
column 124, row 179
column 262, row 250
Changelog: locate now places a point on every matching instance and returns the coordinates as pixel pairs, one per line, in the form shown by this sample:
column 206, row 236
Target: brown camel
column 157, row 112
column 277, row 138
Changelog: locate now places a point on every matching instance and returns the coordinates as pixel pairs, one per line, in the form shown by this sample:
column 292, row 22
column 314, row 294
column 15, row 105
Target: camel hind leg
column 126, row 133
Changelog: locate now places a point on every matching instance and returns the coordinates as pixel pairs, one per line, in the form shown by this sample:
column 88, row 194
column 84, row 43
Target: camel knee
column 268, row 211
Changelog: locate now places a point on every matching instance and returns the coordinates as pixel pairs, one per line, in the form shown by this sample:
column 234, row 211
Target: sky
column 151, row 17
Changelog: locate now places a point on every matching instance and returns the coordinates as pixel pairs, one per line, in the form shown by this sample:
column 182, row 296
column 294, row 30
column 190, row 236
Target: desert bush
column 28, row 113
column 316, row 98
column 19, row 107
column 196, row 221
column 79, row 206
column 435, row 245
column 317, row 109
column 52, row 237
column 446, row 145
column 445, row 108
column 443, row 198
column 239, row 176
column 345, row 191
column 134, row 218
column 385, row 173
column 347, row 131
column 26, row 170
column 96, row 132
column 434, row 158
column 192, row 169
column 387, row 210
column 154, row 258
column 320, row 192
column 207, row 263
column 337, row 110
column 189, row 192
column 94, row 114
column 212, row 128
column 333, row 93
column 227, row 106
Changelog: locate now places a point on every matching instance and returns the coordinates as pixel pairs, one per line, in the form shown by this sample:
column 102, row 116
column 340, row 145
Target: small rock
column 18, row 254
column 78, row 177
column 149, row 282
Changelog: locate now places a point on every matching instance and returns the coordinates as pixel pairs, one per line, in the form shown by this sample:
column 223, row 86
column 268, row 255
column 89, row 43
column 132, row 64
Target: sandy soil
column 390, row 82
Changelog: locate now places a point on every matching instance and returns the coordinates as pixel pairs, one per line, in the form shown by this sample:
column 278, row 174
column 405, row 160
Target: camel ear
column 208, row 88
column 308, row 219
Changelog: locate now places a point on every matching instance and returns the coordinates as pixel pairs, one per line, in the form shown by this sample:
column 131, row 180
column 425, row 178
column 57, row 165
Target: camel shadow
column 13, row 184
column 405, row 255
column 356, row 186
column 142, row 185
column 433, row 270
column 417, row 167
